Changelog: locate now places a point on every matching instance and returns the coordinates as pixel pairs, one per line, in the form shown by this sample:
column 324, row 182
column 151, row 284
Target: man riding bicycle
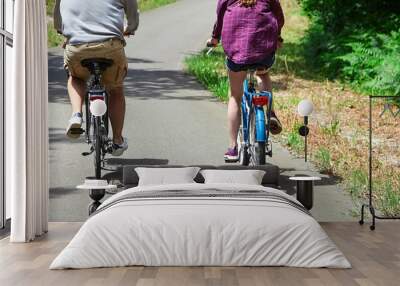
column 95, row 29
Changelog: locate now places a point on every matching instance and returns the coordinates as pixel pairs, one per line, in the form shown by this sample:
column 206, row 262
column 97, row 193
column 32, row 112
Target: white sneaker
column 119, row 149
column 74, row 129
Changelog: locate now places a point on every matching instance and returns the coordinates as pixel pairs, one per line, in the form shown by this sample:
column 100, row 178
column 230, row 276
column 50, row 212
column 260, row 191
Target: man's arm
column 57, row 21
column 132, row 14
column 221, row 8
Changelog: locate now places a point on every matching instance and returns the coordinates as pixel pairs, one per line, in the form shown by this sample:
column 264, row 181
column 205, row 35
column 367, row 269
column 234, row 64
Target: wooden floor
column 375, row 257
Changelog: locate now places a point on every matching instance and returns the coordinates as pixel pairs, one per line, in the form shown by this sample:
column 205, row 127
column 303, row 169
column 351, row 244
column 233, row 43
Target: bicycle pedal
column 87, row 153
column 77, row 131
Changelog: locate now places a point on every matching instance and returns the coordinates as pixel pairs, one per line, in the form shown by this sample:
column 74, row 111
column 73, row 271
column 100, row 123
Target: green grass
column 54, row 39
column 295, row 141
column 357, row 185
column 324, row 160
column 50, row 6
column 389, row 203
column 145, row 5
column 210, row 71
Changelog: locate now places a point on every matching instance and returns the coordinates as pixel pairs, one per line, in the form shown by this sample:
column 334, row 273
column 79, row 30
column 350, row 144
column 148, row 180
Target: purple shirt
column 248, row 35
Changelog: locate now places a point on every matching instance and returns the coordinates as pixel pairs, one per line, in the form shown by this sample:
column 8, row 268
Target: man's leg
column 77, row 92
column 234, row 110
column 117, row 113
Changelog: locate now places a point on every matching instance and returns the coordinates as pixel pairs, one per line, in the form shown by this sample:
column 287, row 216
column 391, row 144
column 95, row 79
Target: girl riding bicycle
column 250, row 32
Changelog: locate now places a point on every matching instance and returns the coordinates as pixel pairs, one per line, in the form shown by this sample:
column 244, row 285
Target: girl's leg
column 236, row 80
column 265, row 84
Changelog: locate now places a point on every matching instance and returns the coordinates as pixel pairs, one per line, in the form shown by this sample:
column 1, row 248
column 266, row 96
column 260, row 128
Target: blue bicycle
column 254, row 142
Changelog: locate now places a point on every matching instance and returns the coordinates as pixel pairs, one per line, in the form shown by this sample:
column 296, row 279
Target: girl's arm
column 278, row 12
column 221, row 8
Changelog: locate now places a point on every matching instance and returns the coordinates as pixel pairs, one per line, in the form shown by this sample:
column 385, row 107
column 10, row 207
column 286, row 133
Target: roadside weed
column 295, row 141
column 332, row 129
column 324, row 160
column 390, row 199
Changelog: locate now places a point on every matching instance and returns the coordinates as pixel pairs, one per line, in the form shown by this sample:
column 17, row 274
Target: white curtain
column 26, row 124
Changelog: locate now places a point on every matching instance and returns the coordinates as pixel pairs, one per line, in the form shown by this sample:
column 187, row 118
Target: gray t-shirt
column 88, row 21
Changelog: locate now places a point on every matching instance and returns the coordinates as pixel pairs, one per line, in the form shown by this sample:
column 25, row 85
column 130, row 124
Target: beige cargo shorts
column 111, row 49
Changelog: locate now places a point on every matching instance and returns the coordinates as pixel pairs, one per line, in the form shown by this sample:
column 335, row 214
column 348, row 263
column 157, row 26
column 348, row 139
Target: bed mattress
column 201, row 225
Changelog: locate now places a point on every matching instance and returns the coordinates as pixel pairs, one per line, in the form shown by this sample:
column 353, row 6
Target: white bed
column 201, row 225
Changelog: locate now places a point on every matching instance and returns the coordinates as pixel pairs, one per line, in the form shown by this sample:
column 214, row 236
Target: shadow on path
column 142, row 84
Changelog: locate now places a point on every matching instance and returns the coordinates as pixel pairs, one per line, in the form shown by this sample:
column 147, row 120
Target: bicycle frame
column 92, row 95
column 97, row 127
column 248, row 107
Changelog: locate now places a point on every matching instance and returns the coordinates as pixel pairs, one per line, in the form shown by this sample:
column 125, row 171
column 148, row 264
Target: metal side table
column 97, row 190
column 305, row 190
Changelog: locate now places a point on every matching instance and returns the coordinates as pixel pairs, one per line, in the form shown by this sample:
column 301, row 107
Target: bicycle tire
column 260, row 153
column 244, row 156
column 257, row 149
column 88, row 116
column 106, row 116
column 97, row 146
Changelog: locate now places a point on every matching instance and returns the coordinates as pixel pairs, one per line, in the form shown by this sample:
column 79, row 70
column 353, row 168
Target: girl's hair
column 247, row 3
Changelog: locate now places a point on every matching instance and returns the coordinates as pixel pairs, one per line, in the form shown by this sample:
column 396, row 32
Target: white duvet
column 200, row 231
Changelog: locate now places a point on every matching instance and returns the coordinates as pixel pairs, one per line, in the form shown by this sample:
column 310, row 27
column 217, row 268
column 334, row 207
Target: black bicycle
column 96, row 109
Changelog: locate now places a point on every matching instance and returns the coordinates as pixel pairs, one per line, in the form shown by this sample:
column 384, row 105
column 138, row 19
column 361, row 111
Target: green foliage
column 295, row 141
column 350, row 17
column 324, row 160
column 373, row 63
column 390, row 200
column 357, row 41
column 53, row 38
column 50, row 6
column 145, row 5
column 357, row 184
column 207, row 69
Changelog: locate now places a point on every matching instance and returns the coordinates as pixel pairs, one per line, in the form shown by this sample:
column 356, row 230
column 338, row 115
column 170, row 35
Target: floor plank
column 375, row 257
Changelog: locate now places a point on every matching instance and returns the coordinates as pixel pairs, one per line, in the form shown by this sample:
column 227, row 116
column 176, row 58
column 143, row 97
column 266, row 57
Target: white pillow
column 166, row 176
column 247, row 177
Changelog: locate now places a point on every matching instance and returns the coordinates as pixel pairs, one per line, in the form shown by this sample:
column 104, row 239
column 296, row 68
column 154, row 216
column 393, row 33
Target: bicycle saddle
column 102, row 64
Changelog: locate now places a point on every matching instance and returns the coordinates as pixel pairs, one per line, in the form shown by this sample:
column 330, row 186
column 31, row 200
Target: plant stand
column 370, row 205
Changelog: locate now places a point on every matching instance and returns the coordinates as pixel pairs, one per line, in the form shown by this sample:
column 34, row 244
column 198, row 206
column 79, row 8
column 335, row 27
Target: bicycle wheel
column 257, row 149
column 97, row 143
column 88, row 116
column 244, row 157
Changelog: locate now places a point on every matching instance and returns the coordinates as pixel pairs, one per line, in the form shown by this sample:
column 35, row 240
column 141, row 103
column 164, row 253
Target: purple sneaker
column 231, row 155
